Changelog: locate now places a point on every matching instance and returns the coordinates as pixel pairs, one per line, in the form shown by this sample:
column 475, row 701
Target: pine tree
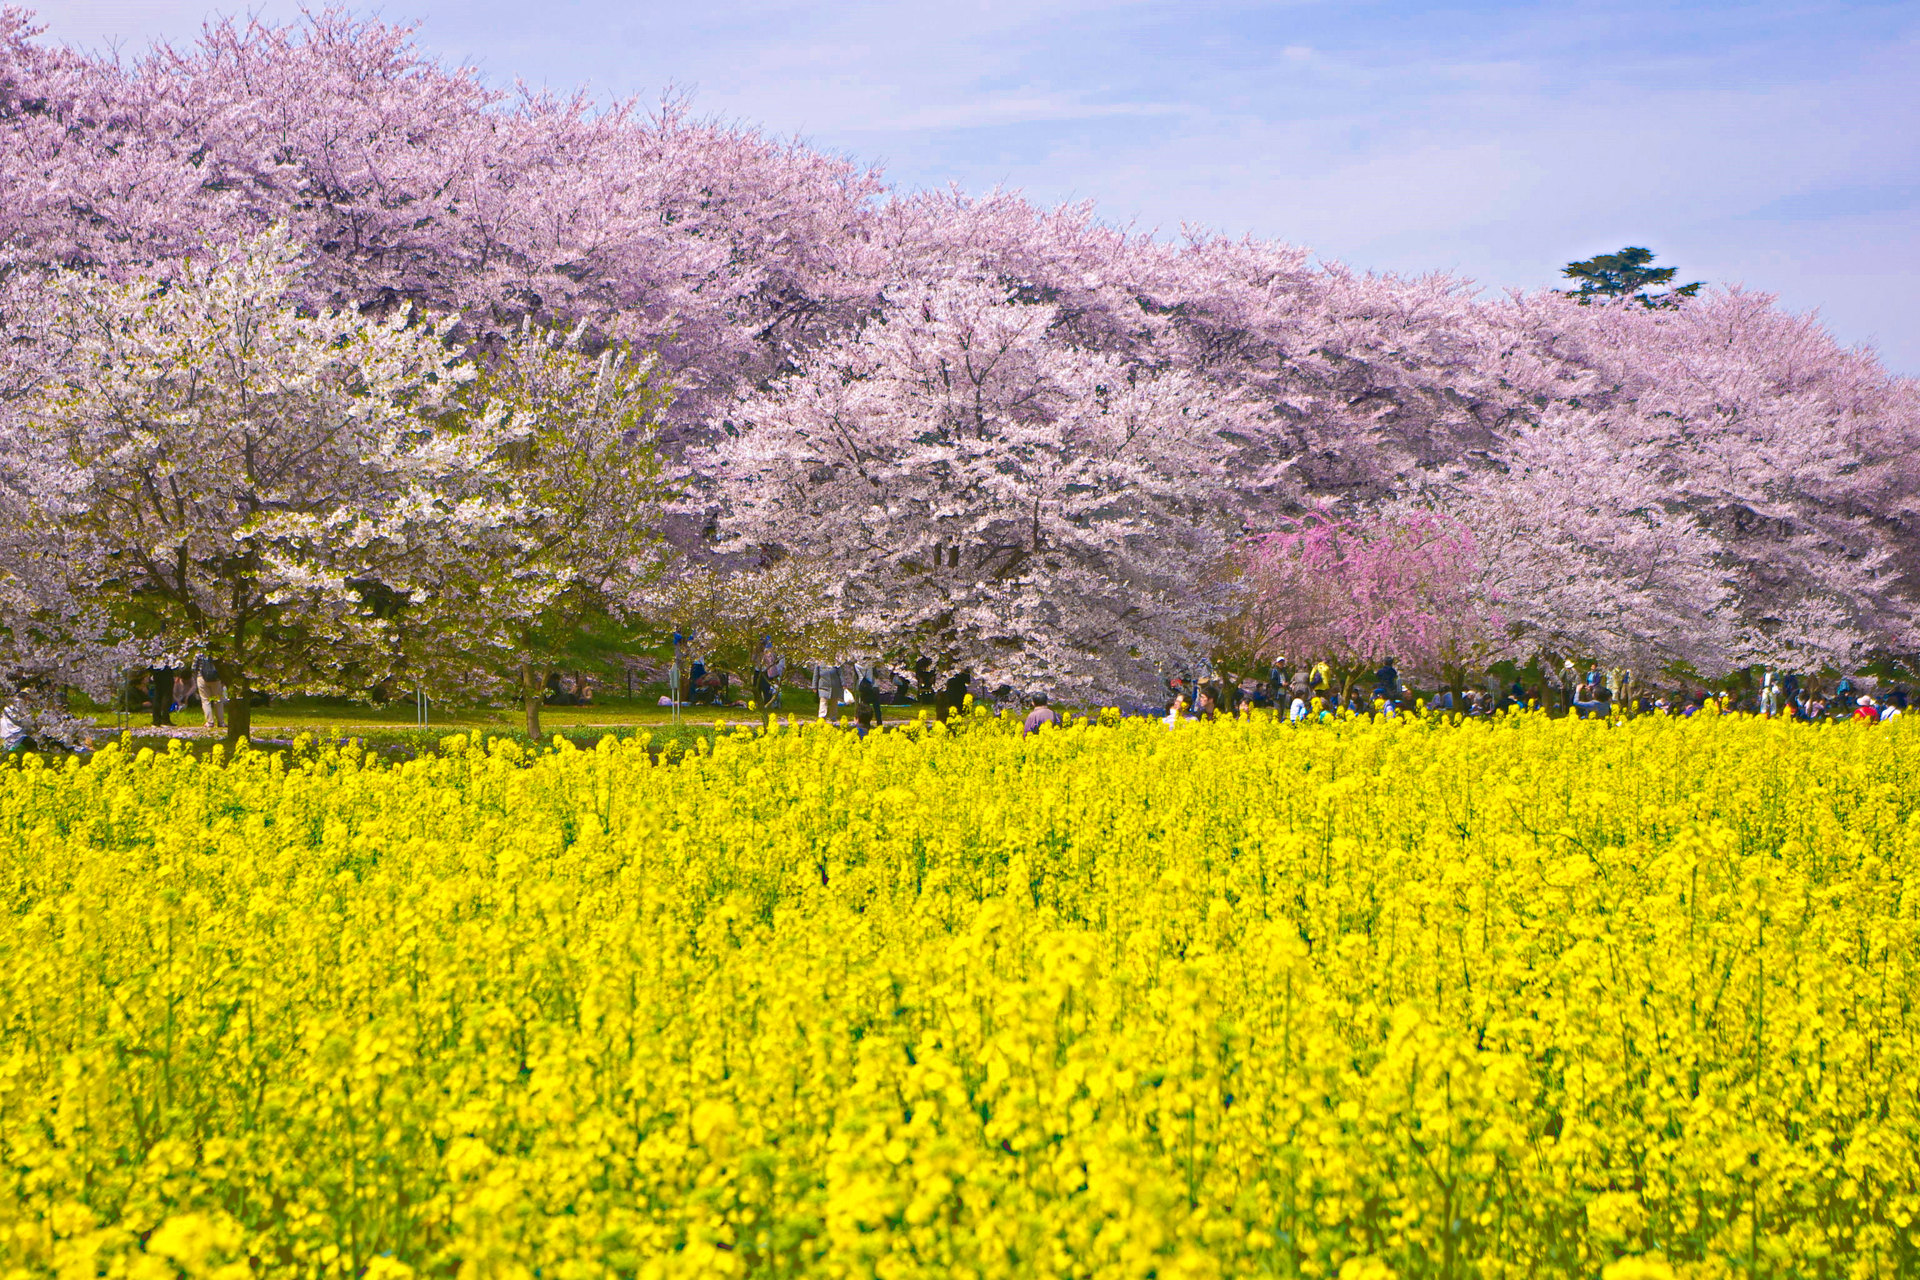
column 1628, row 273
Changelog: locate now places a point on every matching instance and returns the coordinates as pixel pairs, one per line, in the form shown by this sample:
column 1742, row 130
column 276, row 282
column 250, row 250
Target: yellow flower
column 1254, row 997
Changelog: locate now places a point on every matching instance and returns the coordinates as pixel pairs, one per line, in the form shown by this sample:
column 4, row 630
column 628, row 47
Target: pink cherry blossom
column 1716, row 485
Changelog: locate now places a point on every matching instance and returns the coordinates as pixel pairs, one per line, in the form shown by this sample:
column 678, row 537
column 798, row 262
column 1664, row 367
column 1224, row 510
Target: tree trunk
column 239, row 708
column 533, row 688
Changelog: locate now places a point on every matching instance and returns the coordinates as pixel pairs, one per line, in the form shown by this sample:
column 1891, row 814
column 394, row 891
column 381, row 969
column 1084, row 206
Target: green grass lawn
column 330, row 714
column 392, row 733
column 336, row 717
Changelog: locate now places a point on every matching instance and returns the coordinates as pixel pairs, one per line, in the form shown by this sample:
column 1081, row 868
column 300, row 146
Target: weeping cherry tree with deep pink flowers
column 1354, row 592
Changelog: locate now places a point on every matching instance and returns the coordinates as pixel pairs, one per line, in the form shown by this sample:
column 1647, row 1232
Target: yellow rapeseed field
column 1366, row 999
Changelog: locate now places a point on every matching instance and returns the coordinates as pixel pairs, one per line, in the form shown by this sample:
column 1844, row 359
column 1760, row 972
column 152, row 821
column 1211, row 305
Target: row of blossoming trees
column 331, row 362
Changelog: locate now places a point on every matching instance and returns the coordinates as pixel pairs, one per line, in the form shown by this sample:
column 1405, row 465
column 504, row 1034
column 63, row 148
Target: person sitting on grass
column 711, row 688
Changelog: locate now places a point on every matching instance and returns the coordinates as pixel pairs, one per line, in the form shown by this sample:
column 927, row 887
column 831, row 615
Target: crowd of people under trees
column 861, row 691
column 864, row 689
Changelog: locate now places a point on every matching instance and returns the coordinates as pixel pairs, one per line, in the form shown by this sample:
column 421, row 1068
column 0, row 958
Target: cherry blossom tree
column 1591, row 560
column 1792, row 454
column 1355, row 592
column 579, row 494
column 1774, row 463
column 411, row 182
column 226, row 474
column 52, row 637
column 989, row 495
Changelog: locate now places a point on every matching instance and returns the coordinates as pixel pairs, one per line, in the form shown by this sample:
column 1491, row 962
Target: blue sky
column 1769, row 143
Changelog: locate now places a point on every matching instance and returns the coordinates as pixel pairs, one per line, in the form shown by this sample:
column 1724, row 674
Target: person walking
column 828, row 684
column 866, row 700
column 212, row 691
column 1789, row 686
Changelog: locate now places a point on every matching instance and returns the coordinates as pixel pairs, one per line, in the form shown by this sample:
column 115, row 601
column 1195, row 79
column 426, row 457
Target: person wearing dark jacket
column 953, row 697
column 160, row 694
column 867, row 698
column 1386, row 681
